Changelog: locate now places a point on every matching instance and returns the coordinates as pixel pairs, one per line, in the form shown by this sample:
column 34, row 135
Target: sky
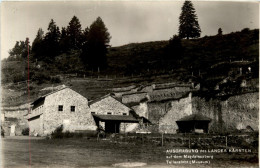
column 127, row 21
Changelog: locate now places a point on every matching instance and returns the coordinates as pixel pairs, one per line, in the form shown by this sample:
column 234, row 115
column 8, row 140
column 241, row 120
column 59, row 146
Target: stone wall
column 120, row 94
column 81, row 119
column 127, row 88
column 14, row 116
column 135, row 97
column 141, row 109
column 20, row 124
column 163, row 94
column 235, row 113
column 176, row 110
column 36, row 125
column 148, row 88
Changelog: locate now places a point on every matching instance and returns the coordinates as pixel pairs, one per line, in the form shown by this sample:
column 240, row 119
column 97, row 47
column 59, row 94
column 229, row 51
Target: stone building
column 62, row 107
column 112, row 115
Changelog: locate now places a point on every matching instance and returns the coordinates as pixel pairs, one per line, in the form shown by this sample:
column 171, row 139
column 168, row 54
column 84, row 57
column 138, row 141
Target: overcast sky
column 127, row 22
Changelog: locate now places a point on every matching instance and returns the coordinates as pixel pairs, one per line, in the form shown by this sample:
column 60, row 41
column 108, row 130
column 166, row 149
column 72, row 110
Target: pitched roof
column 108, row 95
column 122, row 118
column 43, row 96
column 194, row 117
column 99, row 99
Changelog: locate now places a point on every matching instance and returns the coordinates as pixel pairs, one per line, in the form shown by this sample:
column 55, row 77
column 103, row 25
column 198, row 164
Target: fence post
column 226, row 141
column 162, row 139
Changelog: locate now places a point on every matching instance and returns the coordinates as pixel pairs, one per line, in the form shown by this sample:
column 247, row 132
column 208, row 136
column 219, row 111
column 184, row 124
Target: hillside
column 207, row 60
column 200, row 54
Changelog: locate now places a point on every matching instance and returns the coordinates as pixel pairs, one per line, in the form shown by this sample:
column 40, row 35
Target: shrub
column 68, row 134
column 25, row 131
column 57, row 133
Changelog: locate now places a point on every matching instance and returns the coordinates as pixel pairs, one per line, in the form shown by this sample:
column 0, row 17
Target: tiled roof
column 122, row 118
column 194, row 117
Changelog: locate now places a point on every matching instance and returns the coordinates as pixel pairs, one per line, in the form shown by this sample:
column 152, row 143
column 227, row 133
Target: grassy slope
column 147, row 58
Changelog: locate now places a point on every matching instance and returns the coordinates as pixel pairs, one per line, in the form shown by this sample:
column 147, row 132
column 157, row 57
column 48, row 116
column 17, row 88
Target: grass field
column 85, row 152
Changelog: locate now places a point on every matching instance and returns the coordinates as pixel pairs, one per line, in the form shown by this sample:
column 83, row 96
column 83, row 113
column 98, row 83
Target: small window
column 60, row 108
column 72, row 108
column 93, row 113
column 109, row 113
column 124, row 114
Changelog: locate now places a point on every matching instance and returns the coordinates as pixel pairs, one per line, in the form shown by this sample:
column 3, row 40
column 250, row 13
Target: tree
column 20, row 50
column 51, row 40
column 220, row 32
column 37, row 45
column 98, row 39
column 64, row 40
column 189, row 26
column 74, row 33
column 85, row 46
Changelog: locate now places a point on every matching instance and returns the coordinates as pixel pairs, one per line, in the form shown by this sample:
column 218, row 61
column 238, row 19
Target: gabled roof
column 99, row 99
column 103, row 97
column 194, row 117
column 121, row 118
column 43, row 96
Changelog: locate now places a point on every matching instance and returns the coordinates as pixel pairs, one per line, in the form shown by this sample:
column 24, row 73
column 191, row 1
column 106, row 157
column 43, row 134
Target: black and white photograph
column 129, row 83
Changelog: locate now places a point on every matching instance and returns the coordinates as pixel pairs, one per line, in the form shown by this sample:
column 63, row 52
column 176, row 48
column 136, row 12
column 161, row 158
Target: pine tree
column 64, row 40
column 98, row 39
column 189, row 26
column 74, row 33
column 37, row 45
column 84, row 45
column 51, row 40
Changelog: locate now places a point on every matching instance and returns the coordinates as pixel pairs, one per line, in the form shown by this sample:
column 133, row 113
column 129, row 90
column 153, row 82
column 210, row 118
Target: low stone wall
column 136, row 97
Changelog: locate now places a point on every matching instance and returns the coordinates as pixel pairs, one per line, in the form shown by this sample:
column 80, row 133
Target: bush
column 68, row 134
column 25, row 131
column 57, row 133
column 41, row 77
